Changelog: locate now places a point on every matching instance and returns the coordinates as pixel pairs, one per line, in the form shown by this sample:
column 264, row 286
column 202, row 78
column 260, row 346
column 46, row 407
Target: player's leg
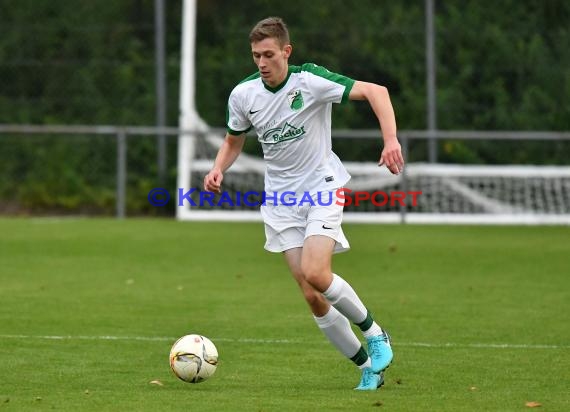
column 316, row 301
column 333, row 324
column 371, row 379
column 343, row 297
column 324, row 236
column 285, row 232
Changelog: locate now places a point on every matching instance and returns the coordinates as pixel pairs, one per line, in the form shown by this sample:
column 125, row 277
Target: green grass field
column 479, row 318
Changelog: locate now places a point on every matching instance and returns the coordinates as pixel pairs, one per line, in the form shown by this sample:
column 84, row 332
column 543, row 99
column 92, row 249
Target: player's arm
column 228, row 153
column 379, row 100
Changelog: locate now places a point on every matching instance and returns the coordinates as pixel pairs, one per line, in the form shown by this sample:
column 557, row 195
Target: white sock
column 374, row 330
column 341, row 295
column 337, row 329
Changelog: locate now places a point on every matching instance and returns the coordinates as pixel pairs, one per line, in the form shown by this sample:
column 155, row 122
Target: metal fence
column 125, row 139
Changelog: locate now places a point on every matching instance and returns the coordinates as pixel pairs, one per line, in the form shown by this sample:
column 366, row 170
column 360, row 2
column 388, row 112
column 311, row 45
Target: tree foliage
column 500, row 66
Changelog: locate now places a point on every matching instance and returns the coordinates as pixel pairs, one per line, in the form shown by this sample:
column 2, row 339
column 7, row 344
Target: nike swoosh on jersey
column 254, row 111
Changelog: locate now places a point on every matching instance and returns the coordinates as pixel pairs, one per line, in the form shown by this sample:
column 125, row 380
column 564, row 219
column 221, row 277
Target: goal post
column 190, row 122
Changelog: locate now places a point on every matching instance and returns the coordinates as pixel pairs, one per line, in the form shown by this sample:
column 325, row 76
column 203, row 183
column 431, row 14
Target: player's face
column 271, row 60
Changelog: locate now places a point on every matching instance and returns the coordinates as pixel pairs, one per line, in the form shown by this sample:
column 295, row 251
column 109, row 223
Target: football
column 193, row 358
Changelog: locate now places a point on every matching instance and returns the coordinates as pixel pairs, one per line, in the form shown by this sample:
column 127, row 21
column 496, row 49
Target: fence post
column 121, row 172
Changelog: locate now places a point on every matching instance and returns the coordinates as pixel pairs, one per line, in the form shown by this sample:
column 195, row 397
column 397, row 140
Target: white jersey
column 293, row 125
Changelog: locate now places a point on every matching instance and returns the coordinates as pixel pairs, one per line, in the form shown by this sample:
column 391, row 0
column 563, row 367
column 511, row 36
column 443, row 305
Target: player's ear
column 288, row 49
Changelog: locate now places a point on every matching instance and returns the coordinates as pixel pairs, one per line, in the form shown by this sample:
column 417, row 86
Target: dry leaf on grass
column 156, row 382
column 533, row 404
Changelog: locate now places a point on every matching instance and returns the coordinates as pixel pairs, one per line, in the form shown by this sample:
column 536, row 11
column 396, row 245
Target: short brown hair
column 271, row 27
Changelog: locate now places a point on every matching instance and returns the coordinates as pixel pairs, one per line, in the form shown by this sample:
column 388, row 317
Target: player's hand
column 213, row 181
column 392, row 157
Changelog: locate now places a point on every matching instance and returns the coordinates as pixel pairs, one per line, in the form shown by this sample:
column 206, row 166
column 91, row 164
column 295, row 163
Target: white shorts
column 287, row 227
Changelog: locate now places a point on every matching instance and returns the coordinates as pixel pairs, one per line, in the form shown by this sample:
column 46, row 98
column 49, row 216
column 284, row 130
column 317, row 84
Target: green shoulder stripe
column 347, row 82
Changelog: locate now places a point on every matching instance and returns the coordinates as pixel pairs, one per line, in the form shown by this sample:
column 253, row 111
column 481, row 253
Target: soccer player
column 289, row 108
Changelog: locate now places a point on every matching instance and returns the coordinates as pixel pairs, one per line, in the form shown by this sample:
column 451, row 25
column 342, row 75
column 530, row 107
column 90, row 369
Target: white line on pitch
column 286, row 341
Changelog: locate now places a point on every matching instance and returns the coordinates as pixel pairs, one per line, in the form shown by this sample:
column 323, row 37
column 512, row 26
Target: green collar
column 279, row 86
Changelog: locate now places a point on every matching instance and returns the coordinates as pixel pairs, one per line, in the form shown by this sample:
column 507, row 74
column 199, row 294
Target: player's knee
column 313, row 274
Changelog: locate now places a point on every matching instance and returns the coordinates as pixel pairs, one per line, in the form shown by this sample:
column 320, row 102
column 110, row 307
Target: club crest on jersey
column 295, row 99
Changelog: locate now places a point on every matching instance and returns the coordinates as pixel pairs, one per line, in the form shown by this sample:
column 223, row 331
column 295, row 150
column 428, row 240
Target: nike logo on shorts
column 328, row 228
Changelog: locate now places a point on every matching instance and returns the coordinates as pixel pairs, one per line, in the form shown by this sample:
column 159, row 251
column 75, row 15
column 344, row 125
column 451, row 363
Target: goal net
column 424, row 193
